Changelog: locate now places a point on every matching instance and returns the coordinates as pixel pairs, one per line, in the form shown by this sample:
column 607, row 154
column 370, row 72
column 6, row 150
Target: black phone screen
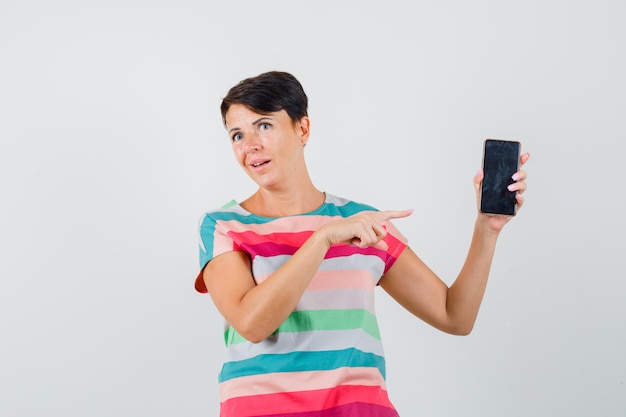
column 500, row 162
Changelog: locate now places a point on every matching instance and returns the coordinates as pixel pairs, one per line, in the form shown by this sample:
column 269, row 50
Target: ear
column 303, row 129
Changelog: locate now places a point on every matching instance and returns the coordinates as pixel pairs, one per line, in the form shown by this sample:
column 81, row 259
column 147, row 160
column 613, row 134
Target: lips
column 258, row 163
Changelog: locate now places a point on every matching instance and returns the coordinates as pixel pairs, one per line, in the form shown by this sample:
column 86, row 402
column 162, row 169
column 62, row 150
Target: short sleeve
column 396, row 243
column 213, row 241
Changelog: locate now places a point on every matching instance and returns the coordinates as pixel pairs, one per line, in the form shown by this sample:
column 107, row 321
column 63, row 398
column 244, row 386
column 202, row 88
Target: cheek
column 238, row 153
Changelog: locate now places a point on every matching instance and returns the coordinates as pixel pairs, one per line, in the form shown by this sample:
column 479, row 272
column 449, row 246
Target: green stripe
column 302, row 321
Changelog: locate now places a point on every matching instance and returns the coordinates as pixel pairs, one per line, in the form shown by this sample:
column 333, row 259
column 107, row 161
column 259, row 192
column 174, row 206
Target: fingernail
column 515, row 176
column 511, row 187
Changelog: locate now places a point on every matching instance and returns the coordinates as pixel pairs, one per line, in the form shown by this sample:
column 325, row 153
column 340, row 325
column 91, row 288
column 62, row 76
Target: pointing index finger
column 393, row 214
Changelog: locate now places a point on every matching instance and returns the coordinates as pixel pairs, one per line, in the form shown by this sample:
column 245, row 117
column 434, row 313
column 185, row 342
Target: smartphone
column 500, row 162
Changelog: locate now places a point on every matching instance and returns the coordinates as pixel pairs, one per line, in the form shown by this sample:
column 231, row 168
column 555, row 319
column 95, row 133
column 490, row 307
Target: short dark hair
column 267, row 93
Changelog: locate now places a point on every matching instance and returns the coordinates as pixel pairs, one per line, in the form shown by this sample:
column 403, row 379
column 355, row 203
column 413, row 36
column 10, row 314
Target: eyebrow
column 256, row 122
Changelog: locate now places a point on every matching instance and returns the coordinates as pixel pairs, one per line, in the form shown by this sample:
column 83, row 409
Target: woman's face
column 269, row 147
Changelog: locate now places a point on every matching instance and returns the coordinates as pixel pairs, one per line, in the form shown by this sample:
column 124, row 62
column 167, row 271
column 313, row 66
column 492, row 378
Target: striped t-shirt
column 326, row 359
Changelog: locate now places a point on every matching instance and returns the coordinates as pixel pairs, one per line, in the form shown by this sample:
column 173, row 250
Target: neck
column 287, row 202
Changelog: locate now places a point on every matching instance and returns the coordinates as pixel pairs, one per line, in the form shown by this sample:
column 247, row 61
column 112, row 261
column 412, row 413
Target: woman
column 293, row 271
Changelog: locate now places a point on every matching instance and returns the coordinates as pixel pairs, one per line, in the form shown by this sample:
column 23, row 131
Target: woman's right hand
column 362, row 229
column 256, row 310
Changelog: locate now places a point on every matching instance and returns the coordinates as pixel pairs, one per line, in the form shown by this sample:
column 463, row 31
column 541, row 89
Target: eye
column 236, row 137
column 264, row 126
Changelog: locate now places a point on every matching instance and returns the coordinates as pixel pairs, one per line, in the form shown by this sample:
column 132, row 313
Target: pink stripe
column 335, row 280
column 222, row 243
column 290, row 225
column 337, row 251
column 347, row 410
column 299, row 381
column 273, row 243
column 302, row 401
column 282, row 225
column 288, row 243
column 252, row 238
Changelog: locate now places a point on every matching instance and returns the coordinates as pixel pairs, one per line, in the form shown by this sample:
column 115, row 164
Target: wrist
column 320, row 238
column 482, row 228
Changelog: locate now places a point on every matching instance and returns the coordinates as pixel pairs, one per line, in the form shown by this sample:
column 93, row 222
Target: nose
column 253, row 143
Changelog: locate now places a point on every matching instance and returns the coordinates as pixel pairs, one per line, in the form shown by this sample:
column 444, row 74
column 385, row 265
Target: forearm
column 260, row 309
column 268, row 304
column 466, row 293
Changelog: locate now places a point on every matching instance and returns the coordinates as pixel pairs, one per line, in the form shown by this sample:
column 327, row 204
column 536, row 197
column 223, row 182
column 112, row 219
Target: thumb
column 382, row 245
column 478, row 178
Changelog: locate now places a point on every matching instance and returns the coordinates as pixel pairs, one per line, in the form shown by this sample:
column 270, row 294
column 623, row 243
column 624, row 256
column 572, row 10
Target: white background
column 111, row 147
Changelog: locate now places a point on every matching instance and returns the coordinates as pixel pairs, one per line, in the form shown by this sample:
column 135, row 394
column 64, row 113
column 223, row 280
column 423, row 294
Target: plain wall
column 111, row 147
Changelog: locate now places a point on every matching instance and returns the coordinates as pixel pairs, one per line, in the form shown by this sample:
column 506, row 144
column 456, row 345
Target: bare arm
column 423, row 293
column 453, row 310
column 256, row 311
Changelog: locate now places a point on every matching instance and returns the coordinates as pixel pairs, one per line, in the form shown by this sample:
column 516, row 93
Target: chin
column 263, row 182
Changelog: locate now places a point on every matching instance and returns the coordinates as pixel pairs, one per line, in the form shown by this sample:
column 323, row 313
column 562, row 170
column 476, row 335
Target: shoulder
column 229, row 212
column 346, row 207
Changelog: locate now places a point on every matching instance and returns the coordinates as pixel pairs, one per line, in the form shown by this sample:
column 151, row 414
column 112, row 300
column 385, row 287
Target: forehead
column 239, row 116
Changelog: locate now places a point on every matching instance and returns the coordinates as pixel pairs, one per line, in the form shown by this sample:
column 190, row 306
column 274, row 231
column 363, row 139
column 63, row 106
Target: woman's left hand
column 496, row 222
